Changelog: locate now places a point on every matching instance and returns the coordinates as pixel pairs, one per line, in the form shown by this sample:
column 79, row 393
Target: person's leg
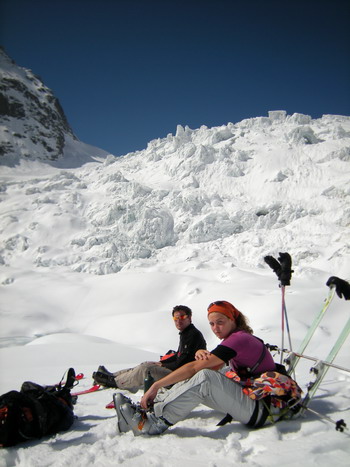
column 207, row 387
column 210, row 388
column 132, row 379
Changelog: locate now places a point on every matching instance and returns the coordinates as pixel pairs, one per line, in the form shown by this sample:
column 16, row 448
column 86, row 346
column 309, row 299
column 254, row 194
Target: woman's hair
column 242, row 324
column 227, row 309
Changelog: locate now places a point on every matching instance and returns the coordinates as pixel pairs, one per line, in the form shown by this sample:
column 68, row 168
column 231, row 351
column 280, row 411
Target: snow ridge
column 246, row 189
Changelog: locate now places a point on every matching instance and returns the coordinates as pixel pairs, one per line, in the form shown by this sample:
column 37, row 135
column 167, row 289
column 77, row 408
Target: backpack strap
column 227, row 419
column 254, row 422
column 260, row 359
column 248, row 372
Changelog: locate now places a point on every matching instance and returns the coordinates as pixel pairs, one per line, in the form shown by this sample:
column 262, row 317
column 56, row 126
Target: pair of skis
column 320, row 367
column 294, row 357
column 282, row 268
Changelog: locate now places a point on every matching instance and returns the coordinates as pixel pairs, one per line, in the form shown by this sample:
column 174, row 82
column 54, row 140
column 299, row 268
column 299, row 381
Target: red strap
column 165, row 357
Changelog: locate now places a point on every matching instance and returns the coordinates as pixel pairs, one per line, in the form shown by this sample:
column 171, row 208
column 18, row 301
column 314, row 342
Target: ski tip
column 94, row 388
column 110, row 405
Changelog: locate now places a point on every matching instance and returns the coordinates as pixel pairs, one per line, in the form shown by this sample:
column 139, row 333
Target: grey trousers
column 210, row 388
column 132, row 379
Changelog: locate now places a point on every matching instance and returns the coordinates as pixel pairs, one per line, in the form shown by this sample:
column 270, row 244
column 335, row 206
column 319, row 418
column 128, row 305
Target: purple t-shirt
column 243, row 350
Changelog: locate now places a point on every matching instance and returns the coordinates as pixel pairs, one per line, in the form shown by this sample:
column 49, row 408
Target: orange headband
column 225, row 308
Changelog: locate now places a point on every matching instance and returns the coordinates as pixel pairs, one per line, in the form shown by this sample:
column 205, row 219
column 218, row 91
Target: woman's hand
column 149, row 397
column 202, row 355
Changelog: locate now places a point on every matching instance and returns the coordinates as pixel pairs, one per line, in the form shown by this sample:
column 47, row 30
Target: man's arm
column 182, row 373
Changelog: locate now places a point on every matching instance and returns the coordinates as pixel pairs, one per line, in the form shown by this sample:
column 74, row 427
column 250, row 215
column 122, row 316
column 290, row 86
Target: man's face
column 181, row 320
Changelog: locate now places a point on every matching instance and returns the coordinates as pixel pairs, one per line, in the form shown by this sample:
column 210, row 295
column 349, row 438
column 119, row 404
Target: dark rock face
column 32, row 122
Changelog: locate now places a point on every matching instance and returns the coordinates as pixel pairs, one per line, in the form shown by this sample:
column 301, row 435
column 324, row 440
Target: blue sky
column 129, row 71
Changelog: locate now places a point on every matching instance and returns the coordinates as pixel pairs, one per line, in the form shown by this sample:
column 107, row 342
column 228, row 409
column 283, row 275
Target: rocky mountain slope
column 32, row 122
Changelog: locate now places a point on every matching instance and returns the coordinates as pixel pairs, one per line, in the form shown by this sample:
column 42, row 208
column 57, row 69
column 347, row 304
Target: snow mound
column 258, row 183
column 68, row 338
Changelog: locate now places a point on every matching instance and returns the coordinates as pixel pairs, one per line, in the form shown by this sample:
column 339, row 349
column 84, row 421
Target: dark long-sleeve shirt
column 191, row 340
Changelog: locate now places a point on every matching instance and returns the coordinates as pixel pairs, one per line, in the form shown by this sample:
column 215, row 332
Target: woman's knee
column 204, row 375
column 145, row 366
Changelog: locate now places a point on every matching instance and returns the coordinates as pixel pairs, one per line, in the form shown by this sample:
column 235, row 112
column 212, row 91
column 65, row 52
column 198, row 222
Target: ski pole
column 286, row 317
column 283, row 269
column 340, row 425
column 282, row 328
column 292, row 355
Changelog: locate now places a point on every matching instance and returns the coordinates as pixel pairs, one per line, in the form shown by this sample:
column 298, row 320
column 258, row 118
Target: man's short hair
column 183, row 308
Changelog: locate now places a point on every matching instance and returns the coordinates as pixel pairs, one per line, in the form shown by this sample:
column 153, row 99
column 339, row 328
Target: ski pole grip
column 281, row 267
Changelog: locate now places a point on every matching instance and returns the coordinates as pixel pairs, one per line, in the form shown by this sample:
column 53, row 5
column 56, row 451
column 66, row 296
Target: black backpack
column 33, row 412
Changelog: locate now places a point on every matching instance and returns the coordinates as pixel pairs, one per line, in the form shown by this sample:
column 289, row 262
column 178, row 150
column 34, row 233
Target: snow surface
column 94, row 256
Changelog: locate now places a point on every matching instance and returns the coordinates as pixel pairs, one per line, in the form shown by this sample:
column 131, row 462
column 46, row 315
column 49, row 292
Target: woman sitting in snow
column 241, row 396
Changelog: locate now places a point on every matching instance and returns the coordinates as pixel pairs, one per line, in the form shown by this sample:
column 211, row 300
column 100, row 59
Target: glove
column 286, row 266
column 274, row 264
column 282, row 268
column 341, row 287
column 285, row 260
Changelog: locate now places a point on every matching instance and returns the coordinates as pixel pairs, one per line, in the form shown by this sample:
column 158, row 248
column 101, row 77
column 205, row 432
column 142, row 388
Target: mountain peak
column 32, row 122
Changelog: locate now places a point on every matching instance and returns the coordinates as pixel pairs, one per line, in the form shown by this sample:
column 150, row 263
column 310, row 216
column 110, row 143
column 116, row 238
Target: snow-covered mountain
column 95, row 251
column 33, row 125
column 244, row 189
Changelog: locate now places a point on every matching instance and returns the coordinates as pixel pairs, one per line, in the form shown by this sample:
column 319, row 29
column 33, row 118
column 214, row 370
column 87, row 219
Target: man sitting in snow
column 132, row 379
